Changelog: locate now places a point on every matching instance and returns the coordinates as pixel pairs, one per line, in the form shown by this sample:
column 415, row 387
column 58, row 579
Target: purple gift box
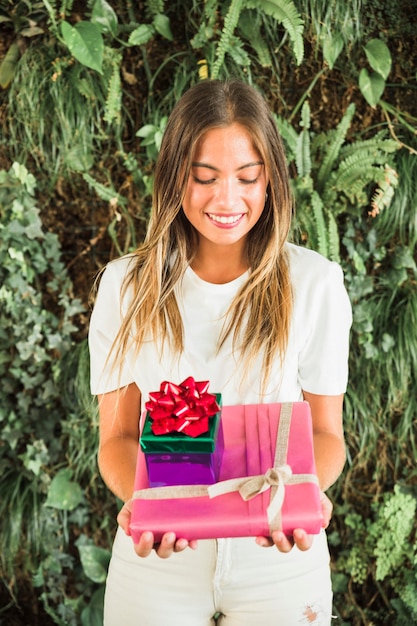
column 178, row 459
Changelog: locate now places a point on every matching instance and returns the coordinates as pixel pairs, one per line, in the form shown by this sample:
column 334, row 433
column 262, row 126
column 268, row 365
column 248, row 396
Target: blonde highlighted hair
column 259, row 316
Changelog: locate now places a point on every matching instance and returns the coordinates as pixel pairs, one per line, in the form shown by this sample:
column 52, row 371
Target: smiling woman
column 216, row 292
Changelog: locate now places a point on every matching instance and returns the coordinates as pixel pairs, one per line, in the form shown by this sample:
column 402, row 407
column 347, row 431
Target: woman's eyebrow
column 212, row 167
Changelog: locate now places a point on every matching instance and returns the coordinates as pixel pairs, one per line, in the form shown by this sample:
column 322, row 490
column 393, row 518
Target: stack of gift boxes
column 182, row 437
column 209, row 471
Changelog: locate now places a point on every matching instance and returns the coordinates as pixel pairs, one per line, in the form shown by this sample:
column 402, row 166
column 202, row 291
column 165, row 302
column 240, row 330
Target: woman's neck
column 219, row 266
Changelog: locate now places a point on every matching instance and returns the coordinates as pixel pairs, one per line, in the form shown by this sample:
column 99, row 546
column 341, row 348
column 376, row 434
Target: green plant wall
column 85, row 90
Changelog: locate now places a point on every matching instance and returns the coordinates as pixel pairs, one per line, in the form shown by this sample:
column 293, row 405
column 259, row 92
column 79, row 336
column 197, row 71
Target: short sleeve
column 324, row 318
column 105, row 322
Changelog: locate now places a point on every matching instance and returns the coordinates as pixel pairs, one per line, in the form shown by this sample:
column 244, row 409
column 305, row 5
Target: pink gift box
column 268, row 458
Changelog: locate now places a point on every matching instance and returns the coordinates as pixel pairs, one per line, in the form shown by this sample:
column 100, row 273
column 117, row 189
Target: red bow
column 183, row 408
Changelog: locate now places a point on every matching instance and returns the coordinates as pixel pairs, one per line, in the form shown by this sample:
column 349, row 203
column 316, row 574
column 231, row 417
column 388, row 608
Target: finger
column 167, row 546
column 264, row 542
column 327, row 509
column 145, row 544
column 282, row 542
column 180, row 545
column 302, row 540
column 123, row 518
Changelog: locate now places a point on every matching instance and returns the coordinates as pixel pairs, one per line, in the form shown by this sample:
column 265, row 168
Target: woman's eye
column 249, row 181
column 200, row 181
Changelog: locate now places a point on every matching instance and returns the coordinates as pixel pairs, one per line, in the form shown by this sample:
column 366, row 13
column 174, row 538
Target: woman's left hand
column 299, row 538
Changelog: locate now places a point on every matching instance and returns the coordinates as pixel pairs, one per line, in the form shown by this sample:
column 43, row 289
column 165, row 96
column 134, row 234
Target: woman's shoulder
column 309, row 267
column 117, row 269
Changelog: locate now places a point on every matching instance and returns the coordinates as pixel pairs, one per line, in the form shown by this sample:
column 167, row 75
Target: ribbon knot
column 273, row 477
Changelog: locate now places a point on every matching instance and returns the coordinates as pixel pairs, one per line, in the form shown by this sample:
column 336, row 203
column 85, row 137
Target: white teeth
column 225, row 220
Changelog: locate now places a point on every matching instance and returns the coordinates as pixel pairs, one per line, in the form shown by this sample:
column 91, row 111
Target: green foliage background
column 85, row 90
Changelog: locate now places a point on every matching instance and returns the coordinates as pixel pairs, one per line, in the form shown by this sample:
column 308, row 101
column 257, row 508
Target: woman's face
column 225, row 193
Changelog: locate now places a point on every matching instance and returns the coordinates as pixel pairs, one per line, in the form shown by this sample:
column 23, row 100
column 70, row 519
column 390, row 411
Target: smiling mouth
column 222, row 219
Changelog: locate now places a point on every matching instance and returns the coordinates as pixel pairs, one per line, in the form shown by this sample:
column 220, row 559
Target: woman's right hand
column 167, row 546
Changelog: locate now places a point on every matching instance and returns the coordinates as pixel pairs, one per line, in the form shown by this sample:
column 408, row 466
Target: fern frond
column 224, row 45
column 377, row 145
column 289, row 136
column 109, row 194
column 154, row 7
column 250, row 28
column 114, row 96
column 207, row 25
column 384, row 194
column 237, row 52
column 261, row 48
column 303, row 153
column 333, row 243
column 333, row 148
column 285, row 12
column 354, row 174
column 320, row 234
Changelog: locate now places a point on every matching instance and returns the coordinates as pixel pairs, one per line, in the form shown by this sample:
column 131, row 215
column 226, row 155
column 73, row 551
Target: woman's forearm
column 117, row 464
column 330, row 457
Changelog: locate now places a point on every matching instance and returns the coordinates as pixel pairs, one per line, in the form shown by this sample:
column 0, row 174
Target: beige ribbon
column 248, row 487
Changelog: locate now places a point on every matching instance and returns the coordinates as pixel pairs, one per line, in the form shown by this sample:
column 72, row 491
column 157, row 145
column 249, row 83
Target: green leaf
column 371, row 86
column 146, row 131
column 332, row 47
column 63, row 493
column 92, row 614
column 379, row 57
column 104, row 16
column 303, row 156
column 285, row 12
column 230, row 22
column 8, row 65
column 85, row 42
column 141, row 35
column 162, row 26
column 388, row 342
column 95, row 562
column 77, row 159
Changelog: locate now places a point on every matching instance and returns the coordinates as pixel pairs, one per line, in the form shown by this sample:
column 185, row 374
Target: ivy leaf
column 104, row 17
column 95, row 562
column 162, row 26
column 372, row 86
column 63, row 493
column 388, row 342
column 85, row 42
column 379, row 57
column 92, row 614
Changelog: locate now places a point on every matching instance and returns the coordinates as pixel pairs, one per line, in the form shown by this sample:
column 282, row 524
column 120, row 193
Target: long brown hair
column 259, row 316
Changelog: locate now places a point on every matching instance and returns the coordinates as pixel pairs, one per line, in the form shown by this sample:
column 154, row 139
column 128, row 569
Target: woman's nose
column 227, row 193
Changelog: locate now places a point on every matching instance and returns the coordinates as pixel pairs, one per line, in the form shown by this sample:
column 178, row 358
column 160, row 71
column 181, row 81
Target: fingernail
column 262, row 542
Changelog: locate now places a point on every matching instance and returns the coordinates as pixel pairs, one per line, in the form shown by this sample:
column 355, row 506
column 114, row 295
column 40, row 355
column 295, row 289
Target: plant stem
column 306, row 94
column 387, row 108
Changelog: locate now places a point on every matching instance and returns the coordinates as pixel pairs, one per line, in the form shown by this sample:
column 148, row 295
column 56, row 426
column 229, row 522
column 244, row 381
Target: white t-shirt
column 316, row 359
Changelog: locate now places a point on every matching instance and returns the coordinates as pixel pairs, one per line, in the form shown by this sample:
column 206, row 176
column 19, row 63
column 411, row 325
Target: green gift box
column 178, row 459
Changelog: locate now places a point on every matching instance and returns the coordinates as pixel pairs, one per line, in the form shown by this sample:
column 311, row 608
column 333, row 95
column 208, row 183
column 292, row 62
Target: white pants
column 246, row 584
